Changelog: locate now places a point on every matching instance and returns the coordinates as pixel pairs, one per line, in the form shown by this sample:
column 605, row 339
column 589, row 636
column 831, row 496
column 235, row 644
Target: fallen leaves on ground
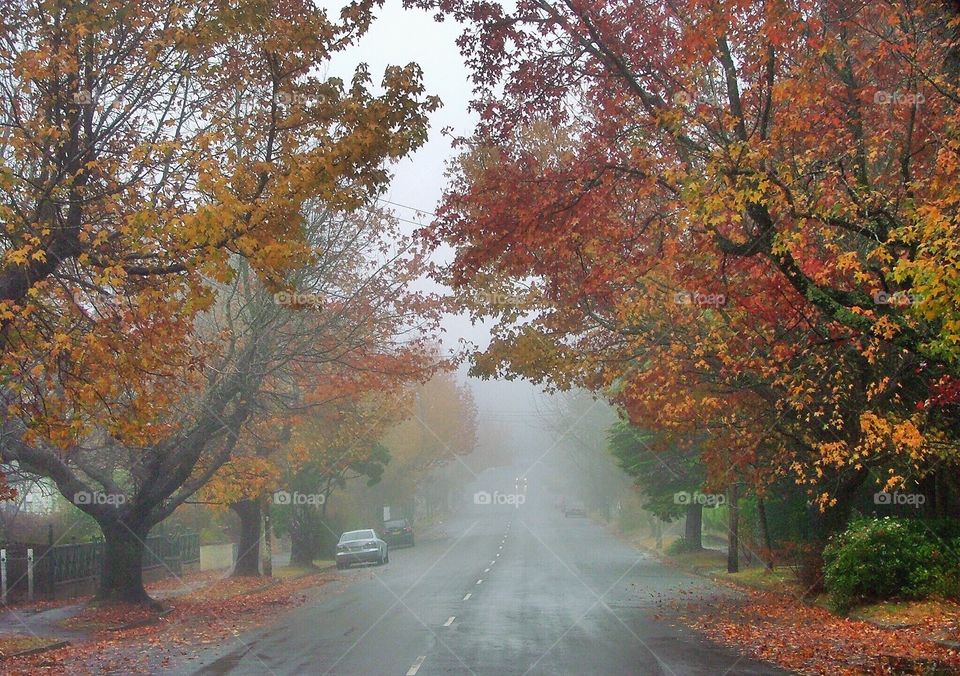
column 187, row 624
column 810, row 640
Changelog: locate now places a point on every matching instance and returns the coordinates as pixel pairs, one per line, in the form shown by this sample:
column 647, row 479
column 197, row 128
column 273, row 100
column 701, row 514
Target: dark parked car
column 361, row 546
column 398, row 532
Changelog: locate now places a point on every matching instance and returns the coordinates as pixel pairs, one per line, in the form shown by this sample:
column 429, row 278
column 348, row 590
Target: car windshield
column 354, row 535
column 398, row 523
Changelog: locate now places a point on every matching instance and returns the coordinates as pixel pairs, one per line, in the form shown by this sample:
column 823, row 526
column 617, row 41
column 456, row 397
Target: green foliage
column 717, row 519
column 660, row 474
column 788, row 515
column 885, row 558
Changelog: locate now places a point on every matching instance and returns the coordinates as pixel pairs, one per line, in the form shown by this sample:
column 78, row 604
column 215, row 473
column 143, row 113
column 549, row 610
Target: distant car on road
column 574, row 509
column 398, row 532
column 361, row 546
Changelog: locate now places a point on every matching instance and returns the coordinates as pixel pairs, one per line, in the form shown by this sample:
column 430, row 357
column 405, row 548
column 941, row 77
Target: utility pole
column 733, row 543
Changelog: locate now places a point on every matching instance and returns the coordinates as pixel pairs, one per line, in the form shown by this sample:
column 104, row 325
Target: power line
column 395, row 217
column 407, row 206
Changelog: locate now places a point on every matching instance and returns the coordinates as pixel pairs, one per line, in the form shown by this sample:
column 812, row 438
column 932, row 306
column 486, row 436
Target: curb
column 136, row 624
column 710, row 574
column 880, row 624
column 953, row 645
column 37, row 650
column 887, row 626
column 269, row 585
column 308, row 573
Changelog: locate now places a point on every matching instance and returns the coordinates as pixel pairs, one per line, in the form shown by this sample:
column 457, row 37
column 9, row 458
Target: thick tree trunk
column 693, row 528
column 248, row 551
column 764, row 533
column 121, row 580
column 303, row 551
column 305, row 535
column 733, row 532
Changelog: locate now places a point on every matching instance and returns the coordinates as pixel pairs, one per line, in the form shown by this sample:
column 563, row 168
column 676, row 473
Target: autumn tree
column 142, row 146
column 145, row 148
column 341, row 447
column 349, row 330
column 663, row 475
column 731, row 217
column 439, row 431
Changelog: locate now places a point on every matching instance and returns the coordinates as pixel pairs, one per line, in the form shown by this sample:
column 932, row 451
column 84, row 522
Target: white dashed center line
column 486, row 570
column 467, row 597
column 450, row 621
column 480, row 581
column 416, row 666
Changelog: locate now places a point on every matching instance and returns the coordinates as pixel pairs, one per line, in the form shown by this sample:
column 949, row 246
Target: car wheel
column 386, row 557
column 340, row 566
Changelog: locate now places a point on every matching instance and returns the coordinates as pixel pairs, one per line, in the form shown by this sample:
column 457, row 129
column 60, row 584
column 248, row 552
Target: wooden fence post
column 3, row 575
column 30, row 574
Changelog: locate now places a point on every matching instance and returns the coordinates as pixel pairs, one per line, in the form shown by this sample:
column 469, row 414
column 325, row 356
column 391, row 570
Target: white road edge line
column 416, row 666
column 467, row 597
column 450, row 621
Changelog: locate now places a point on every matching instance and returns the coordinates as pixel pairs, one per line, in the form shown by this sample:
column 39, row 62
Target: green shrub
column 876, row 559
column 950, row 587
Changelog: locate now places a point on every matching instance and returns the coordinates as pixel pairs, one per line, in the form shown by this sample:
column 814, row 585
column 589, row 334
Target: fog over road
column 505, row 590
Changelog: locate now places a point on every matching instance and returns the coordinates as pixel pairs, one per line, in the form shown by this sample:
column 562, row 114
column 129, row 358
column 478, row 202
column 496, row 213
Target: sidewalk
column 41, row 623
column 46, row 619
column 199, row 609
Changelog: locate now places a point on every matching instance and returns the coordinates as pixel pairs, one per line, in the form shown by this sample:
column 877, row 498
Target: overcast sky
column 400, row 36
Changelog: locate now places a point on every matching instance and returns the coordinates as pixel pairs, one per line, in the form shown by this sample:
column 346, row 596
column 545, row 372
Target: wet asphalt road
column 507, row 590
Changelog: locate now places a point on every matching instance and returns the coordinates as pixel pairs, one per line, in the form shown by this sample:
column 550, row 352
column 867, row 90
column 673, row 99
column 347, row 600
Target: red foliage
column 810, row 640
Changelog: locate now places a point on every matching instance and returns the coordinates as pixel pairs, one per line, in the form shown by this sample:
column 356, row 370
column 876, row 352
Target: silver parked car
column 361, row 546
